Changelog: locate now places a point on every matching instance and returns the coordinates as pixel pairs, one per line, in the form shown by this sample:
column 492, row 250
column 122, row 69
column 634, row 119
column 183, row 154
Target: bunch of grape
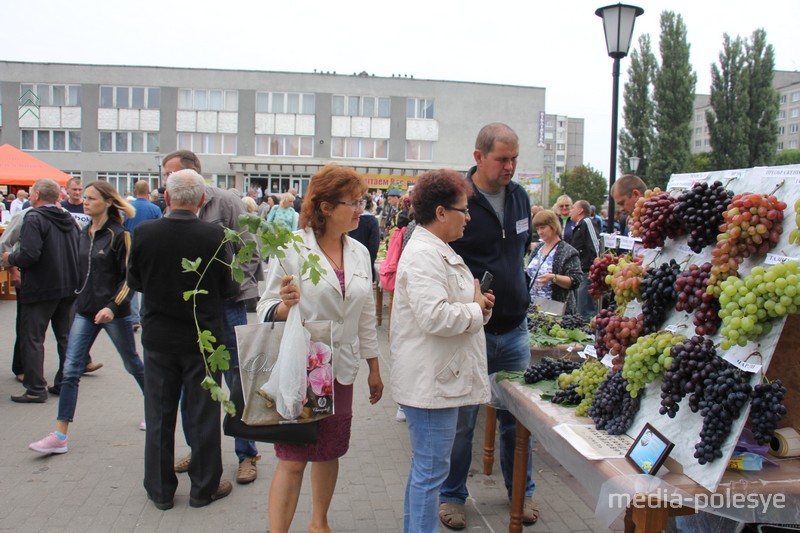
column 766, row 409
column 589, row 376
column 653, row 218
column 549, row 368
column 725, row 392
column 685, row 375
column 794, row 236
column 648, row 358
column 624, row 278
column 747, row 304
column 574, row 322
column 620, row 333
column 700, row 210
column 613, row 408
column 753, row 224
column 567, row 396
column 598, row 273
column 659, row 294
column 600, row 323
column 693, row 296
column 537, row 321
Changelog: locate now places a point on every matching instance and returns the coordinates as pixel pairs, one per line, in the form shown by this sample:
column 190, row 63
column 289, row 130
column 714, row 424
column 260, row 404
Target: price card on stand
column 774, row 259
column 588, row 351
column 608, row 360
column 609, row 240
column 626, row 243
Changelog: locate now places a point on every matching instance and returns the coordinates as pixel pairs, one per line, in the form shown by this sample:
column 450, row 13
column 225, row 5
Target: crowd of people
column 119, row 271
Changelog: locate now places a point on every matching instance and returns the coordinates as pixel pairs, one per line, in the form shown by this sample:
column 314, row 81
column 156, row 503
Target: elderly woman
column 562, row 209
column 554, row 268
column 284, row 213
column 437, row 342
column 344, row 295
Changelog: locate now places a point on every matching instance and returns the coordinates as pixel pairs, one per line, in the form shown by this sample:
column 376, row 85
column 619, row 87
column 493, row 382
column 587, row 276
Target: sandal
column 530, row 511
column 451, row 514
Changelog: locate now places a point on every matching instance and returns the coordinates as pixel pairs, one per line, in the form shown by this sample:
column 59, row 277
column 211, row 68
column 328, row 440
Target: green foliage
column 638, row 136
column 585, row 183
column 700, row 162
column 788, row 157
column 674, row 92
column 554, row 191
column 763, row 112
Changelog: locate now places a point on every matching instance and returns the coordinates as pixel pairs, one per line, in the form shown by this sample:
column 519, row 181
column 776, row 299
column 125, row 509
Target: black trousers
column 164, row 375
column 32, row 322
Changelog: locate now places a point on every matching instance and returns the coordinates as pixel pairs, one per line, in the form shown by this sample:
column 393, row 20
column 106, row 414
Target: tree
column 728, row 122
column 554, row 191
column 700, row 162
column 788, row 157
column 763, row 112
column 674, row 91
column 637, row 137
column 585, row 183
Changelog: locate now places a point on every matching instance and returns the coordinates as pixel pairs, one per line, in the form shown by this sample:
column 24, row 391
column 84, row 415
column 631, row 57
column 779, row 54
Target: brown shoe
column 225, row 487
column 247, row 472
column 91, row 367
column 183, row 465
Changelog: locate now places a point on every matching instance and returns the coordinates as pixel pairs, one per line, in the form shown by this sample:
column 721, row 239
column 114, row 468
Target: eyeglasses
column 355, row 204
column 564, row 205
column 465, row 210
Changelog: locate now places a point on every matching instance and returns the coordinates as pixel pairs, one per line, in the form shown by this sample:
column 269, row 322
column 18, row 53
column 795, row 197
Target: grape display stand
column 772, row 354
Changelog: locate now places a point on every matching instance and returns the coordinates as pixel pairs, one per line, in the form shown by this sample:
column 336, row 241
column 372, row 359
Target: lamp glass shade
column 618, row 21
column 633, row 162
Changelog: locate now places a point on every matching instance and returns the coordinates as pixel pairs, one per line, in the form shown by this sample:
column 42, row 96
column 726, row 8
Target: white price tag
column 747, row 366
column 680, row 182
column 626, row 243
column 633, row 308
column 608, row 360
column 590, row 351
column 582, row 354
column 774, row 259
column 609, row 240
column 672, row 329
column 570, row 349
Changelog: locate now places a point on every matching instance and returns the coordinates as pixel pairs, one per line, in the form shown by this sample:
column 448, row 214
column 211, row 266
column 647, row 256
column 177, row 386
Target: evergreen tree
column 763, row 112
column 585, row 183
column 728, row 121
column 674, row 93
column 637, row 137
column 788, row 157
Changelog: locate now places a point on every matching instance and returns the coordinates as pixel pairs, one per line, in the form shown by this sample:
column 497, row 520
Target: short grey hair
column 186, row 187
column 48, row 190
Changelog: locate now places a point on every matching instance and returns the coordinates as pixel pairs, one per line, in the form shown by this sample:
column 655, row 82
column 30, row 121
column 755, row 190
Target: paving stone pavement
column 97, row 485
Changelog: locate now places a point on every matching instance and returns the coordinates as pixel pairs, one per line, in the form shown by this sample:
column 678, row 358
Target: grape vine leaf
column 219, row 358
column 191, row 266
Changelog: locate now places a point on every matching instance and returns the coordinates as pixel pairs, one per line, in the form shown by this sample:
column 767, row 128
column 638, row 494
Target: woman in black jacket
column 554, row 268
column 103, row 302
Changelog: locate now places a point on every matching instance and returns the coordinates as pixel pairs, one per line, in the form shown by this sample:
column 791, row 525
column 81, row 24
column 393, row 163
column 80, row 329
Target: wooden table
column 644, row 514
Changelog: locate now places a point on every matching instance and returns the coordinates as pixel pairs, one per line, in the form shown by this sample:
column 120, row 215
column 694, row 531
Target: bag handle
column 536, row 274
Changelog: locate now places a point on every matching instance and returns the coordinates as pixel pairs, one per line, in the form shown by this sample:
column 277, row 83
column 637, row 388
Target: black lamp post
column 618, row 21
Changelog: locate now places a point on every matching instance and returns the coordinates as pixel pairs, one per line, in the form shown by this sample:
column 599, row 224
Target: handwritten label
column 608, row 360
column 626, row 243
column 747, row 366
column 633, row 309
column 609, row 240
column 590, row 350
column 774, row 259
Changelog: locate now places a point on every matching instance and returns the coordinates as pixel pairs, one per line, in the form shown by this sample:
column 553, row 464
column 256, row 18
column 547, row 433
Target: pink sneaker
column 50, row 444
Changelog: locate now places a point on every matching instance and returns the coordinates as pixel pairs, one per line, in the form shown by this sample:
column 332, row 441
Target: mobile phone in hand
column 486, row 281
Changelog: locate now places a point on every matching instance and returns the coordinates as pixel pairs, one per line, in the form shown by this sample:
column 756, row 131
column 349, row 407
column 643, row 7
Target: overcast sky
column 558, row 45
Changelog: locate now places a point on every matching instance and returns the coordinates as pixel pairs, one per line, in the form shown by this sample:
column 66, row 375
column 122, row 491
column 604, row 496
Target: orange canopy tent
column 21, row 169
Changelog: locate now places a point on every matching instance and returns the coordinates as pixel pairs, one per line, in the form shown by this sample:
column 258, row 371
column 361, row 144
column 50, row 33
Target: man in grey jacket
column 224, row 208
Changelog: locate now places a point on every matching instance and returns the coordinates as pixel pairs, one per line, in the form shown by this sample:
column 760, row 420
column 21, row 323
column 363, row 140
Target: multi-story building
column 788, row 86
column 563, row 144
column 267, row 129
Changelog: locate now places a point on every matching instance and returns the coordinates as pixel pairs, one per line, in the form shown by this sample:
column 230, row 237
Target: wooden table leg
column 488, row 440
column 519, row 479
column 648, row 514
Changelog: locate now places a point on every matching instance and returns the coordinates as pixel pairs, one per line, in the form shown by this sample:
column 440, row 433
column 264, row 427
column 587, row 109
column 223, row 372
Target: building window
column 794, row 113
column 223, row 181
column 780, row 146
column 698, row 131
column 419, row 150
column 780, row 130
column 783, row 98
column 697, row 143
column 130, row 97
column 549, row 124
column 796, row 96
column 354, row 148
column 361, row 106
column 781, row 114
column 548, row 146
column 284, row 145
column 793, row 144
column 290, row 103
column 129, row 141
column 698, row 118
column 419, row 108
column 705, row 142
column 548, row 135
column 54, row 95
column 123, row 182
column 792, row 128
column 208, row 143
column 548, row 158
column 560, row 158
column 51, row 140
column 561, row 147
column 208, row 100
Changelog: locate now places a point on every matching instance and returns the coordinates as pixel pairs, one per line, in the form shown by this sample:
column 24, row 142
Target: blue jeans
column 81, row 338
column 586, row 306
column 431, row 432
column 506, row 351
column 136, row 314
column 235, row 315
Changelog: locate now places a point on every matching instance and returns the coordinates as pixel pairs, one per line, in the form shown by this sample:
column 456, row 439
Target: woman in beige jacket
column 437, row 342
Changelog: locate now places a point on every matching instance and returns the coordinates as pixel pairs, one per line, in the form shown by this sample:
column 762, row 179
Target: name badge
column 522, row 226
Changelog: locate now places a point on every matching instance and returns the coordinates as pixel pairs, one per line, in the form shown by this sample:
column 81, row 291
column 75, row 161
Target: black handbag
column 306, row 433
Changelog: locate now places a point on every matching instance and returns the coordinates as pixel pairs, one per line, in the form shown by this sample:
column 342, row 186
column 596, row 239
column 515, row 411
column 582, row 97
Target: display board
column 684, row 429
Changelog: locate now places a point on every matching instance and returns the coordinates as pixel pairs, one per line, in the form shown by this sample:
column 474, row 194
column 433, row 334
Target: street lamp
column 633, row 163
column 618, row 21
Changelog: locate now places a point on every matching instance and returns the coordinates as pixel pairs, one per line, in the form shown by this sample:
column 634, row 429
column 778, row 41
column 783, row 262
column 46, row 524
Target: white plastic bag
column 288, row 383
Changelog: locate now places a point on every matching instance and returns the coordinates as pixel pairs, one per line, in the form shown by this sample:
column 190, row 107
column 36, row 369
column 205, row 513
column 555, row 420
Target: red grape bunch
column 624, row 278
column 693, row 297
column 653, row 219
column 598, row 273
column 700, row 210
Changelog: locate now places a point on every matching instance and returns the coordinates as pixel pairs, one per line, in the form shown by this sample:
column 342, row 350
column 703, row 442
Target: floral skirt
column 334, row 432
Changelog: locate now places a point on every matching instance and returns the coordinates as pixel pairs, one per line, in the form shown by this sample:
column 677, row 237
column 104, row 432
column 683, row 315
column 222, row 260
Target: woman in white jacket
column 437, row 343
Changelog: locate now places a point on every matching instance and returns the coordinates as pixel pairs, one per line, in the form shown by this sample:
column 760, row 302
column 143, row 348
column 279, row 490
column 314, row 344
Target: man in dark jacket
column 495, row 240
column 169, row 338
column 48, row 260
column 585, row 240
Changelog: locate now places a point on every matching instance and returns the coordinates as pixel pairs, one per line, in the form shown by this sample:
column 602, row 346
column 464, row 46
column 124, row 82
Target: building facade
column 270, row 130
